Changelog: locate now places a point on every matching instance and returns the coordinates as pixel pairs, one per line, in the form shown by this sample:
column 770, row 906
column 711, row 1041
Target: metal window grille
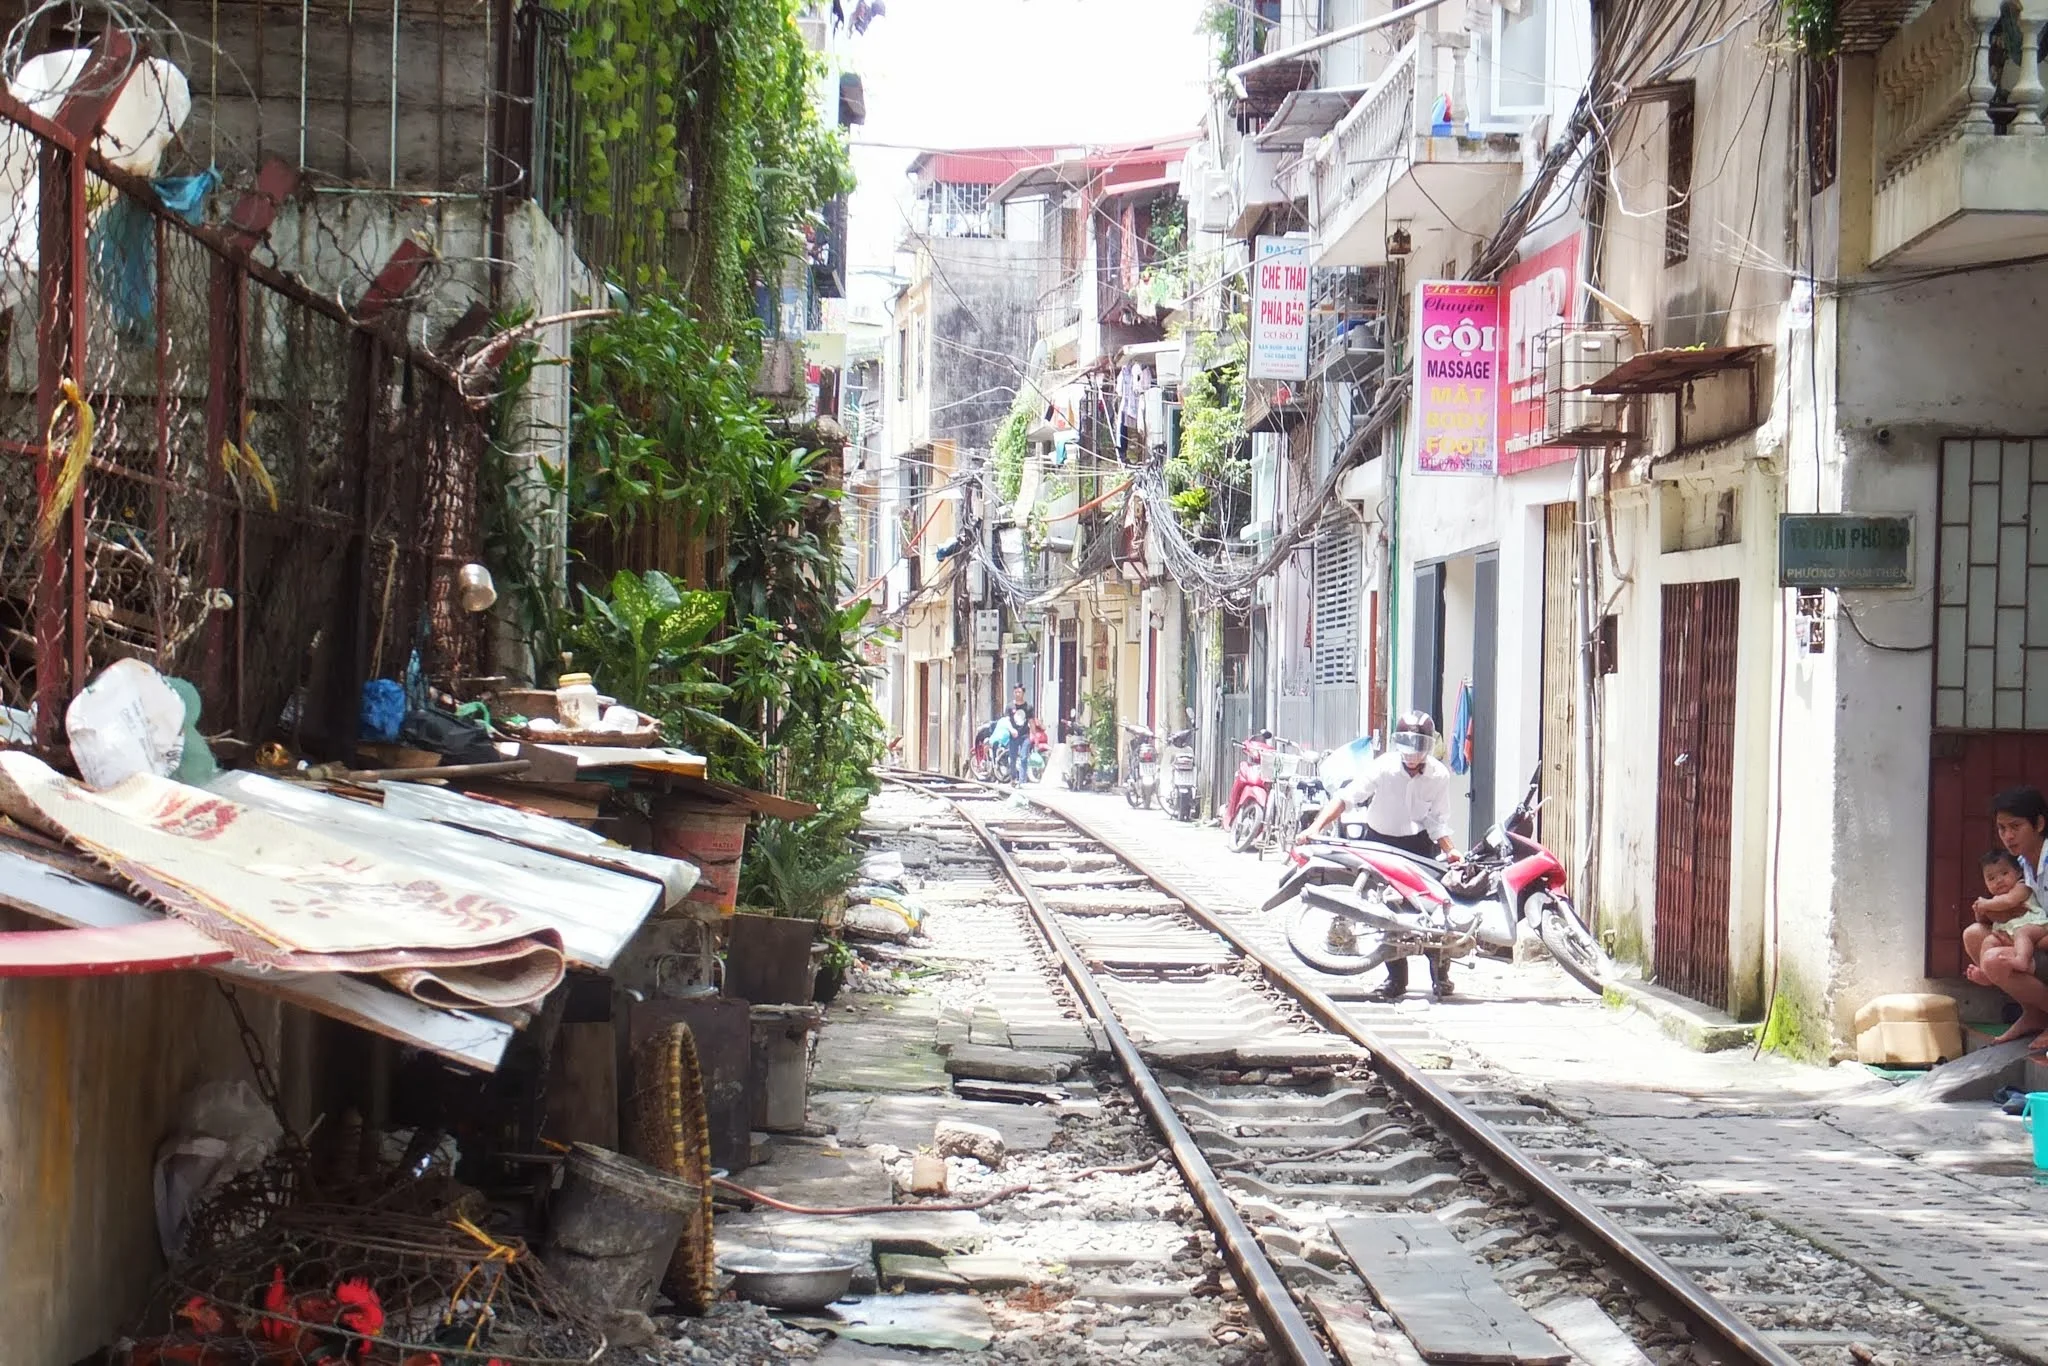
column 1991, row 627
column 1678, row 135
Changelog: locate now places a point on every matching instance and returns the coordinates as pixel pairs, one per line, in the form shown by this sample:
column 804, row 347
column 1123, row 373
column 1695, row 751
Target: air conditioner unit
column 1574, row 361
column 1155, row 417
column 1213, row 209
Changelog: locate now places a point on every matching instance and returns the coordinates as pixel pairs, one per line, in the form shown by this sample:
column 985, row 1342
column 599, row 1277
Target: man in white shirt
column 1406, row 797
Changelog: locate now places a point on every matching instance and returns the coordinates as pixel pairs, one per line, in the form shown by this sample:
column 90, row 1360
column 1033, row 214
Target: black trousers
column 1422, row 846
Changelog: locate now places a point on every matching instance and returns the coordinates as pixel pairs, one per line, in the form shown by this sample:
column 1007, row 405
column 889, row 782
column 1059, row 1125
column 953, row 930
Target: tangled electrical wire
column 1211, row 583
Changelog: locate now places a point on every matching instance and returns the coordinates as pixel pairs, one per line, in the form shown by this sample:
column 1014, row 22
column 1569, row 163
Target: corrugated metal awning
column 35, row 882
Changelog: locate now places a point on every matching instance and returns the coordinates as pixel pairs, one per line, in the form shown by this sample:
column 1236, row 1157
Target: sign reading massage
column 1835, row 550
column 1279, row 344
column 1457, row 397
column 1539, row 293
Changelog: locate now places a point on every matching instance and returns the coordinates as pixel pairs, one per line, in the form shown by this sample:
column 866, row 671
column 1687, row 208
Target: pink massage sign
column 1457, row 391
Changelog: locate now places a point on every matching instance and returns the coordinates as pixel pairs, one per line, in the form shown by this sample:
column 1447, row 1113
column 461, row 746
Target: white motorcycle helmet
column 1415, row 734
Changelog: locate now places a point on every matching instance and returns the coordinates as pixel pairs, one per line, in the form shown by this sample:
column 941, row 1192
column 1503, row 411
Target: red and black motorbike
column 1363, row 903
column 1244, row 815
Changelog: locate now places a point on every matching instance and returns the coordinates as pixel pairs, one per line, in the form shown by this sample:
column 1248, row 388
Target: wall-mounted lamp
column 1399, row 245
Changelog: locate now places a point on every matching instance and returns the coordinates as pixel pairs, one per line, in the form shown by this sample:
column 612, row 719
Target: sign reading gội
column 1279, row 325
column 1838, row 550
column 1457, row 388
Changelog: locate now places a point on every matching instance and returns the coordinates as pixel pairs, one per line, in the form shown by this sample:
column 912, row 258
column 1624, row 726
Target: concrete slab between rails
column 1699, row 1027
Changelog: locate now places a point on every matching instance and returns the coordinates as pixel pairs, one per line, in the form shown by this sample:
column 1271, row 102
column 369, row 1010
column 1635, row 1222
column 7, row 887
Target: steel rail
column 1717, row 1328
column 1286, row 1329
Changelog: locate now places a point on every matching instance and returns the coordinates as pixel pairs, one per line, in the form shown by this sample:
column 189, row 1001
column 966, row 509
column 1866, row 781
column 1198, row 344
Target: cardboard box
column 1909, row 1029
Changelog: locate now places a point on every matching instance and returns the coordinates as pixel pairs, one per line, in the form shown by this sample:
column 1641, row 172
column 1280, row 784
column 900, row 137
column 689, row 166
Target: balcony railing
column 1410, row 152
column 1359, row 148
column 1345, row 338
column 1962, row 160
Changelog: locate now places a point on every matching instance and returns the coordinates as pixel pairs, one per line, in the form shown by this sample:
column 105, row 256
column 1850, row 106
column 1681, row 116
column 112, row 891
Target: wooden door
column 1696, row 789
column 1560, row 687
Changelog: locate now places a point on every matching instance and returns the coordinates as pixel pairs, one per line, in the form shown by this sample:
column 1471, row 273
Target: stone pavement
column 1939, row 1199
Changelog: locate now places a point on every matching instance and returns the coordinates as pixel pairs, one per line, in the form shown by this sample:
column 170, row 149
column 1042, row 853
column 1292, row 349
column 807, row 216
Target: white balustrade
column 1960, row 69
column 1370, row 137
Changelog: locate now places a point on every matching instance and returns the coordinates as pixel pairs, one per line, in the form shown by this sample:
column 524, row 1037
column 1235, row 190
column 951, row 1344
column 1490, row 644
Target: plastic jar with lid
column 576, row 704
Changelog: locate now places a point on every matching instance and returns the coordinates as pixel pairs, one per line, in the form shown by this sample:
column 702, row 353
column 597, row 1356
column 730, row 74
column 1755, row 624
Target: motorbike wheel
column 1134, row 796
column 1248, row 827
column 1571, row 943
column 1330, row 941
column 980, row 770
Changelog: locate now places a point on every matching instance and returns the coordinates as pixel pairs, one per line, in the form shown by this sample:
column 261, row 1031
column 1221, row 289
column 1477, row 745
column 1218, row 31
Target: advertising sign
column 1835, row 550
column 1457, row 393
column 1279, row 343
column 1540, row 296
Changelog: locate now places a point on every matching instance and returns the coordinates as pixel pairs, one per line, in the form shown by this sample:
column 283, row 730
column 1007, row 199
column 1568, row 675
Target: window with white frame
column 1521, row 56
column 1991, row 625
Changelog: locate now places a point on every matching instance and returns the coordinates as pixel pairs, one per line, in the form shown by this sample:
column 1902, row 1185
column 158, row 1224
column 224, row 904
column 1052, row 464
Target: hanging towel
column 1461, row 731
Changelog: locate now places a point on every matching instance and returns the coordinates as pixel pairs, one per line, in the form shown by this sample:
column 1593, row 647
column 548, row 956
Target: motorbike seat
column 1436, row 867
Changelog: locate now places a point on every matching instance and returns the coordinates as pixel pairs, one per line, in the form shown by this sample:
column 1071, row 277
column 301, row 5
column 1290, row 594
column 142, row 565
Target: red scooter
column 1363, row 903
column 1244, row 815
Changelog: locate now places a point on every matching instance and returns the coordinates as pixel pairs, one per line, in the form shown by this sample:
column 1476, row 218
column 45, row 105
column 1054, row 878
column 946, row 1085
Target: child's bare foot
column 2022, row 953
column 2029, row 1023
column 1976, row 974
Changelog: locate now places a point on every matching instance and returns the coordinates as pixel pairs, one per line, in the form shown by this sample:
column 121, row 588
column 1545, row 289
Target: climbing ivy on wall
column 700, row 143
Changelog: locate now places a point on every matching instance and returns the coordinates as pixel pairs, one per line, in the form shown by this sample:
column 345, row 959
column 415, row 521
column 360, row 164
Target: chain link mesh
column 273, row 500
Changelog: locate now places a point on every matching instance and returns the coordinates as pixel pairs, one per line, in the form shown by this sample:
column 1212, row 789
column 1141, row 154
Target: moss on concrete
column 1798, row 1023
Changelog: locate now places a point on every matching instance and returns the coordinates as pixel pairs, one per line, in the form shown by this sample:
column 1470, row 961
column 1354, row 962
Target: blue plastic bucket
column 2037, row 1107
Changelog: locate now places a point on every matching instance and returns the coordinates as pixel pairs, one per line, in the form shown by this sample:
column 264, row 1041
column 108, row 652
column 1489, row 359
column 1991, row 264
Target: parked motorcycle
column 1080, row 757
column 1141, row 766
column 1244, row 814
column 1363, row 903
column 1181, row 802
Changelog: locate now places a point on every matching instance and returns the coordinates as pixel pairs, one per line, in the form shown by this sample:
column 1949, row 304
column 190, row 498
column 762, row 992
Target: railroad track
column 1293, row 1125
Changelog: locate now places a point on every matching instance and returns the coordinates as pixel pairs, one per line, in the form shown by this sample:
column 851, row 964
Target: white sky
column 979, row 73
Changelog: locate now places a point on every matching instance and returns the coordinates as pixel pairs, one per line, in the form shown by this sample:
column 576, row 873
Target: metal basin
column 789, row 1280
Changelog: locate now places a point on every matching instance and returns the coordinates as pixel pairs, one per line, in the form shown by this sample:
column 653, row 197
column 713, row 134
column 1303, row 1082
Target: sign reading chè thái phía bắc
column 1279, row 323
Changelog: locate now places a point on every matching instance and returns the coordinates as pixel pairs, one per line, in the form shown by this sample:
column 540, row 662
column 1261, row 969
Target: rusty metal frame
column 60, row 609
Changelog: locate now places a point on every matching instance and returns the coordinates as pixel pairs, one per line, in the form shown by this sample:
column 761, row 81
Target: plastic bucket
column 711, row 837
column 2036, row 1109
column 613, row 1226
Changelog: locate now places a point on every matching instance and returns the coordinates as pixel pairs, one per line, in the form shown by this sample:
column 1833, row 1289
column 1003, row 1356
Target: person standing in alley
column 1406, row 797
column 1022, row 713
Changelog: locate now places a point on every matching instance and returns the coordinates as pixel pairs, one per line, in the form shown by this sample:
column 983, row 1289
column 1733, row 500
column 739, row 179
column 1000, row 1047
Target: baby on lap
column 2009, row 918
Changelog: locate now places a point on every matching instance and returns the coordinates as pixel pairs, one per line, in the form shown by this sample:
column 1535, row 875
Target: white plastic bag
column 886, row 866
column 126, row 721
column 224, row 1129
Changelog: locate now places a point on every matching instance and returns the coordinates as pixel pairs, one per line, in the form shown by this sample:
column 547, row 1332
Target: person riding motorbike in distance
column 1405, row 794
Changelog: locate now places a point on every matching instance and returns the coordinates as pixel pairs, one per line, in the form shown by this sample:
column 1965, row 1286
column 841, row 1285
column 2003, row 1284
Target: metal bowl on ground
column 788, row 1279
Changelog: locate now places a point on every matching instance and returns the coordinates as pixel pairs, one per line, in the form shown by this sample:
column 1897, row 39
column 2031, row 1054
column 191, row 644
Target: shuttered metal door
column 1696, row 789
column 1335, row 636
column 1336, row 622
column 1560, row 681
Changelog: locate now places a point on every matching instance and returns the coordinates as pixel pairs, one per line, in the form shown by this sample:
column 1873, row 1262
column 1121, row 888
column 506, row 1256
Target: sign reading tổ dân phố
column 1840, row 550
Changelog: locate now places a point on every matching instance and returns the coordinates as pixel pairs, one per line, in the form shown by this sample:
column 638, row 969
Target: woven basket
column 672, row 1134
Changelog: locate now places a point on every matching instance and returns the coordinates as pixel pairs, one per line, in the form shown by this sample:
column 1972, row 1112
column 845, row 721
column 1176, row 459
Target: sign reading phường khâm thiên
column 1840, row 550
column 1457, row 390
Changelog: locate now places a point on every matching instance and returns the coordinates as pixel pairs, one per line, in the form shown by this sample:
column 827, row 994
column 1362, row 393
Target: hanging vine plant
column 1814, row 26
column 699, row 143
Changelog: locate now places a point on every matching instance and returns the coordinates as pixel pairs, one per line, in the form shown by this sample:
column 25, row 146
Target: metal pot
column 788, row 1280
